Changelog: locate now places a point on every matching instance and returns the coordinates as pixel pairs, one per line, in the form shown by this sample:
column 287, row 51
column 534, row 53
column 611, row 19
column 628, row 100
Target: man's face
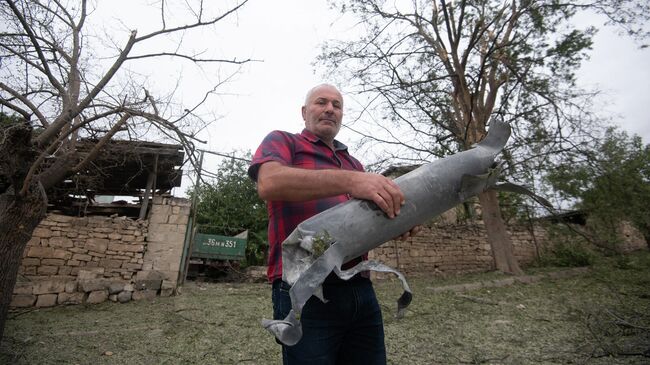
column 323, row 112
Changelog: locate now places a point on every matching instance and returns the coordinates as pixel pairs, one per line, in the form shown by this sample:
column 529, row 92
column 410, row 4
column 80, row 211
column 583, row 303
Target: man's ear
column 303, row 110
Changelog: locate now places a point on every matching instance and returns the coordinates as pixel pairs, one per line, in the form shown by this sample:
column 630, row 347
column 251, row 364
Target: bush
column 571, row 255
column 567, row 248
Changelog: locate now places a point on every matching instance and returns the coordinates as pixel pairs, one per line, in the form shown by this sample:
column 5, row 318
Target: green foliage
column 230, row 205
column 7, row 120
column 567, row 249
column 611, row 182
column 321, row 243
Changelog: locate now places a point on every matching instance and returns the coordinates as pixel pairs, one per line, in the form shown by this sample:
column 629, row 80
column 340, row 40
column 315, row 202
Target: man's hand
column 379, row 189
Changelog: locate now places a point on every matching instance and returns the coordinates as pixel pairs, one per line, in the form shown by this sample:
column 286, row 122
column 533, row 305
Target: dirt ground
column 599, row 316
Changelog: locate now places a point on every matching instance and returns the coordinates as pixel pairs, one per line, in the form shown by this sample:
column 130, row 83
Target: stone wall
column 72, row 260
column 455, row 248
column 167, row 229
column 631, row 239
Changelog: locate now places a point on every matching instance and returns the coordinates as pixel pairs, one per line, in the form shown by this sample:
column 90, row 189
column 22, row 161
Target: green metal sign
column 213, row 246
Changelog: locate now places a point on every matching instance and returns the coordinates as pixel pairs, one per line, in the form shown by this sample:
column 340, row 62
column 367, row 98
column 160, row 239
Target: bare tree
column 55, row 89
column 439, row 71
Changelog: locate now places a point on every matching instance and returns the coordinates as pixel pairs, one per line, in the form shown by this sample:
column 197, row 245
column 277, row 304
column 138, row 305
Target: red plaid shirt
column 303, row 150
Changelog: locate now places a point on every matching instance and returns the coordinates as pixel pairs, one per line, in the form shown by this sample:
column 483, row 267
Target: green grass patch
column 600, row 317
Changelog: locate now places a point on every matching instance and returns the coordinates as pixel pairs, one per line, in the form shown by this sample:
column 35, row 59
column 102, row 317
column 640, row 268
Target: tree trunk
column 497, row 235
column 18, row 218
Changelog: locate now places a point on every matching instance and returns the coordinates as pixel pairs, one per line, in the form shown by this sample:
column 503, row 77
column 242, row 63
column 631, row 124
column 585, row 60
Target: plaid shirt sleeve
column 276, row 146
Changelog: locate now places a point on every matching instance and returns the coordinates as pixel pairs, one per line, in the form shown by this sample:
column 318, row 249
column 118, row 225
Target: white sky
column 286, row 35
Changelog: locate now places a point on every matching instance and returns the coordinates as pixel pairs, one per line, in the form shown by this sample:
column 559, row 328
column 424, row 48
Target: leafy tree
column 67, row 83
column 231, row 205
column 610, row 182
column 434, row 73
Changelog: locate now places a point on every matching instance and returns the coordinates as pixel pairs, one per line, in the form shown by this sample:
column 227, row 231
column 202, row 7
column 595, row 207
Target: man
column 301, row 175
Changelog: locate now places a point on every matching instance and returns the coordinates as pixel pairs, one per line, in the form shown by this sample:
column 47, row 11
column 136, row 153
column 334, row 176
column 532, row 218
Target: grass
column 602, row 317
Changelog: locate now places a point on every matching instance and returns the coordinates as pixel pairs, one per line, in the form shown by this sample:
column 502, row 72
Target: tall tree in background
column 437, row 72
column 55, row 81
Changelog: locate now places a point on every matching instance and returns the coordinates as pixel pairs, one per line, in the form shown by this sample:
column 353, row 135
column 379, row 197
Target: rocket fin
column 518, row 189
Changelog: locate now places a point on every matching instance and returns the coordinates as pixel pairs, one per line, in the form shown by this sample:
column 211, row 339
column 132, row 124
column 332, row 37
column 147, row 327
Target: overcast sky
column 286, row 36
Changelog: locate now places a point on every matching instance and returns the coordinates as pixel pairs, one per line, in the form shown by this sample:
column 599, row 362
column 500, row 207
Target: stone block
column 64, row 270
column 41, row 252
column 22, row 300
column 132, row 266
column 53, row 262
column 70, row 298
column 181, row 210
column 42, row 232
column 34, row 241
column 96, row 254
column 178, row 219
column 97, row 244
column 158, row 218
column 31, row 261
column 167, row 288
column 46, row 300
column 29, row 270
column 183, row 202
column 60, row 242
column 112, row 297
column 151, row 280
column 60, row 253
column 48, row 286
column 115, row 287
column 159, row 209
column 47, row 270
column 114, row 236
column 119, row 247
column 148, row 284
column 124, row 296
column 81, row 257
column 70, row 286
column 24, row 287
column 109, row 263
column 96, row 297
column 91, row 285
column 144, row 294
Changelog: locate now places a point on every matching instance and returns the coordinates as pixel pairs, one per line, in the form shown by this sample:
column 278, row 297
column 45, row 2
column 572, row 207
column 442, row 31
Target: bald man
column 300, row 175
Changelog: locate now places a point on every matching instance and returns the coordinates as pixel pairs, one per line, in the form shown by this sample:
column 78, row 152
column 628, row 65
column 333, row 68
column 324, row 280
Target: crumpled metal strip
column 371, row 265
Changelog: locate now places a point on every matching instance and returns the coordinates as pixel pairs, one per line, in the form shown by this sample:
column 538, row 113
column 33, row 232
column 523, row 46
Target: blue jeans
column 348, row 329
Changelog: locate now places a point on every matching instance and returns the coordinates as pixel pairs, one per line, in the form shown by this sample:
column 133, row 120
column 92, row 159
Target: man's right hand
column 379, row 189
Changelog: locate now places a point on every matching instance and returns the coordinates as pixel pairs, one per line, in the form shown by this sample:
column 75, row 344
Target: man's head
column 323, row 112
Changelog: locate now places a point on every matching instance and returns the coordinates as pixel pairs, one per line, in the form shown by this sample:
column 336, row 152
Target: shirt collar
column 311, row 137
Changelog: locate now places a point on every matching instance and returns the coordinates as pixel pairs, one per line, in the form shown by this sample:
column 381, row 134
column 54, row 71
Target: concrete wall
column 72, row 260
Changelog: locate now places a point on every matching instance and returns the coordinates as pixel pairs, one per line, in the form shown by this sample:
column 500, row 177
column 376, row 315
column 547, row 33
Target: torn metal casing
column 357, row 226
